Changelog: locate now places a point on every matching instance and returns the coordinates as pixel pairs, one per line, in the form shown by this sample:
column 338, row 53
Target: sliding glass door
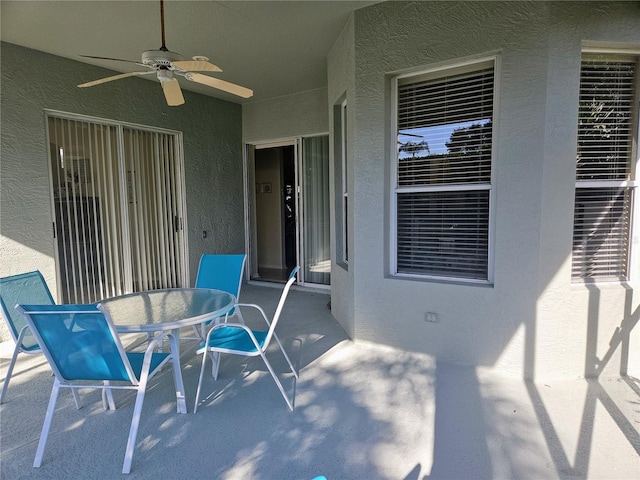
column 315, row 209
column 118, row 198
column 288, row 215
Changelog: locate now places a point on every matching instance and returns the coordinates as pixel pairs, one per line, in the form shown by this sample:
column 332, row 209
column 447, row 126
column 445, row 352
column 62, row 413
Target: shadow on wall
column 595, row 393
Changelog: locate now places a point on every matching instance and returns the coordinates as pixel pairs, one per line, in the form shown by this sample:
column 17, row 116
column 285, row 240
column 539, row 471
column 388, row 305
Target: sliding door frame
column 250, row 203
column 176, row 155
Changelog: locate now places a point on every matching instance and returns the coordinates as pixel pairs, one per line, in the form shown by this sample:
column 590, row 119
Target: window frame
column 345, row 182
column 341, row 182
column 632, row 182
column 442, row 70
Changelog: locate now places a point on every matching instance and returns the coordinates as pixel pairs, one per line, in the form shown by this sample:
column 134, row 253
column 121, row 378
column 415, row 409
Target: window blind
column 460, row 107
column 602, row 211
column 601, row 233
column 444, row 233
column 443, row 180
column 605, row 127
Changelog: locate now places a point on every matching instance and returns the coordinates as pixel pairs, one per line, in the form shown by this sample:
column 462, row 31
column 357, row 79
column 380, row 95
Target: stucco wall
column 33, row 81
column 531, row 321
column 300, row 114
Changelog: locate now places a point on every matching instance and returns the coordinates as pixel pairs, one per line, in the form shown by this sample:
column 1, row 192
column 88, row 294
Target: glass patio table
column 166, row 310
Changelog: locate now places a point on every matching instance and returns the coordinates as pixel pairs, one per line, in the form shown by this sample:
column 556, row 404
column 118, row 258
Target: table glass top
column 166, row 309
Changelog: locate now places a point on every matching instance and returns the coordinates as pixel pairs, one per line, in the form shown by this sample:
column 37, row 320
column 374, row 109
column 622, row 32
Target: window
column 605, row 163
column 341, row 181
column 442, row 171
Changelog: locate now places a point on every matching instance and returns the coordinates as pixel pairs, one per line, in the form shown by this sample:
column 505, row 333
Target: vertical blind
column 444, row 178
column 153, row 200
column 602, row 212
column 116, row 216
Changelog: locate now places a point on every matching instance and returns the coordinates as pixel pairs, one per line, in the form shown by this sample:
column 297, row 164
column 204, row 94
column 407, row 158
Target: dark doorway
column 276, row 219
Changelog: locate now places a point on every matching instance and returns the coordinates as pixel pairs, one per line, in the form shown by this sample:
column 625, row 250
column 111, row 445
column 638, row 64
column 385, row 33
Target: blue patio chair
column 84, row 351
column 220, row 272
column 27, row 287
column 238, row 339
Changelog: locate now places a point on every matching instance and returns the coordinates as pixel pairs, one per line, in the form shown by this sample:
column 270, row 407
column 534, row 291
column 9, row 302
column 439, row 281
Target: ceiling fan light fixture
column 165, row 75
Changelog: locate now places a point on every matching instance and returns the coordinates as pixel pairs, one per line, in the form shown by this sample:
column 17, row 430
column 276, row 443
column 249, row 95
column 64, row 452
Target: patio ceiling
column 273, row 47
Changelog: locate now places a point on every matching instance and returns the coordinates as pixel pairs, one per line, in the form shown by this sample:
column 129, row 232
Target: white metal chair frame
column 234, row 341
column 27, row 281
column 138, row 384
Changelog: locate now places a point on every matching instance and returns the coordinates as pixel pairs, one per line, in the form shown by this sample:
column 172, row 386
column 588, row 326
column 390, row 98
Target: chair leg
column 215, row 367
column 277, row 380
column 76, row 398
column 293, row 370
column 107, row 398
column 7, row 377
column 133, row 431
column 137, row 409
column 47, row 423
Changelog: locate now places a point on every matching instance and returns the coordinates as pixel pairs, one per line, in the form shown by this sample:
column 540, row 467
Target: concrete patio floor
column 363, row 411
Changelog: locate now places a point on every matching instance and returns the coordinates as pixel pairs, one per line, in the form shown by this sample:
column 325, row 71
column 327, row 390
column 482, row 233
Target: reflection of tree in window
column 468, row 158
column 604, row 121
column 413, row 148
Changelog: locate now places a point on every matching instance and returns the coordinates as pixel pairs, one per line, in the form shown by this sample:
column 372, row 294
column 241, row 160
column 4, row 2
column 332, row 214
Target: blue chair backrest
column 221, row 272
column 79, row 342
column 24, row 288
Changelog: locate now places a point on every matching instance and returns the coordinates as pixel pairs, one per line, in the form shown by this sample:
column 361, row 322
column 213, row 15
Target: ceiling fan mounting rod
column 163, row 47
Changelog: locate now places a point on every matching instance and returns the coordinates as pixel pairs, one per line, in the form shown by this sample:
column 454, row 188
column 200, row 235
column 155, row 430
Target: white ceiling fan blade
column 196, row 66
column 115, row 77
column 172, row 92
column 220, row 84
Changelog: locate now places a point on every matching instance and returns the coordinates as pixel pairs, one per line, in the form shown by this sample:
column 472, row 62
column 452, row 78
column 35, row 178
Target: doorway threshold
column 324, row 289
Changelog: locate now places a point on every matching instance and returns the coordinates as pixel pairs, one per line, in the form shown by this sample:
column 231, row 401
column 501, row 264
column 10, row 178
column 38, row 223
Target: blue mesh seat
column 238, row 339
column 84, row 351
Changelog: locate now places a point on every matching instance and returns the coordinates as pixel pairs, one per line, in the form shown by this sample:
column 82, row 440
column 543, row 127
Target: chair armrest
column 257, row 307
column 240, row 326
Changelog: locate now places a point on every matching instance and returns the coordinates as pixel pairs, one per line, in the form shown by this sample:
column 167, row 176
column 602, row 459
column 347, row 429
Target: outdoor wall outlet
column 204, row 234
column 432, row 317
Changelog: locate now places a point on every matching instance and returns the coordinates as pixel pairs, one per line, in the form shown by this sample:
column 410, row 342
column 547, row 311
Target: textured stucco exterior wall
column 531, row 321
column 33, row 81
column 300, row 114
column 341, row 74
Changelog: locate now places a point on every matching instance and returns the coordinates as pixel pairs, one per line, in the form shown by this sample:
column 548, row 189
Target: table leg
column 175, row 350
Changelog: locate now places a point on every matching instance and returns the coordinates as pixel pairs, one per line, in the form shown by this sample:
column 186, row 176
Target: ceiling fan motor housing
column 160, row 58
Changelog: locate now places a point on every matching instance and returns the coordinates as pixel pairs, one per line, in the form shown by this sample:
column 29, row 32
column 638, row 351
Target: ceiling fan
column 167, row 65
